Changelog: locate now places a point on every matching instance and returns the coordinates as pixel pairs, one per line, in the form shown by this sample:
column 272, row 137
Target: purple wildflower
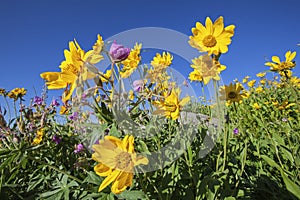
column 74, row 116
column 38, row 100
column 56, row 139
column 78, row 148
column 54, row 102
column 235, row 131
column 138, row 85
column 118, row 52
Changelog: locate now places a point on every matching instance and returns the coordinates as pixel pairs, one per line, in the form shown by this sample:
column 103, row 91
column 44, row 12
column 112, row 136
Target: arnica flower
column 260, row 75
column 231, row 93
column 251, row 83
column 3, row 92
column 116, row 160
column 17, row 93
column 73, row 67
column 277, row 65
column 259, row 89
column 132, row 61
column 245, row 79
column 256, row 106
column 286, row 73
column 162, row 61
column 39, row 137
column 171, row 105
column 205, row 69
column 118, row 52
column 212, row 38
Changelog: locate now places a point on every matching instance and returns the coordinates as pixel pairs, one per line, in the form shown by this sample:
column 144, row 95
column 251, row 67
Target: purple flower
column 74, row 116
column 56, row 139
column 138, row 85
column 235, row 131
column 38, row 100
column 118, row 52
column 284, row 119
column 78, row 148
column 54, row 102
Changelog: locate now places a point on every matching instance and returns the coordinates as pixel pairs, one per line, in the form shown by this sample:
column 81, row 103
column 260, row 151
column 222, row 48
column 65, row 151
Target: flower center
column 232, row 95
column 209, row 41
column 123, row 160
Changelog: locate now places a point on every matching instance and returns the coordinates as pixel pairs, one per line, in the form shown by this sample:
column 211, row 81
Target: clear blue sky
column 34, row 33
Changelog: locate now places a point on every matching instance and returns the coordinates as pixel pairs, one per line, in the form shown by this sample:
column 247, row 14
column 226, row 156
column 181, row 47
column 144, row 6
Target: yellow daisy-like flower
column 105, row 77
column 260, row 75
column 295, row 81
column 162, row 61
column 117, row 159
column 259, row 89
column 256, row 106
column 3, row 92
column 39, row 137
column 171, row 105
column 17, row 93
column 72, row 67
column 213, row 38
column 277, row 65
column 231, row 93
column 132, row 61
column 263, row 81
column 245, row 79
column 251, row 83
column 205, row 69
column 286, row 73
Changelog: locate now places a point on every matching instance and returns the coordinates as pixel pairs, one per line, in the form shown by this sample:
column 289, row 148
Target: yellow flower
column 131, row 95
column 162, row 61
column 72, row 67
column 39, row 137
column 213, row 38
column 256, row 106
column 259, row 89
column 3, row 92
column 117, row 159
column 295, row 81
column 63, row 110
column 105, row 77
column 171, row 105
column 263, row 81
column 132, row 61
column 277, row 65
column 17, row 93
column 251, row 83
column 245, row 79
column 231, row 93
column 284, row 105
column 205, row 69
column 286, row 73
column 262, row 74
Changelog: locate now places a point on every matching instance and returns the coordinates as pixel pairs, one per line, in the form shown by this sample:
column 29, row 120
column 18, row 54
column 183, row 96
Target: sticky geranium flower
column 54, row 103
column 118, row 52
column 116, row 160
column 37, row 100
column 235, row 131
column 56, row 139
column 78, row 148
column 212, row 38
column 205, row 69
column 138, row 85
column 277, row 65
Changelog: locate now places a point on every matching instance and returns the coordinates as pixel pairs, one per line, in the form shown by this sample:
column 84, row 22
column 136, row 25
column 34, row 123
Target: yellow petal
column 141, row 160
column 50, row 76
column 218, row 26
column 109, row 179
column 184, row 101
column 276, row 59
column 102, row 170
column 209, row 26
column 124, row 180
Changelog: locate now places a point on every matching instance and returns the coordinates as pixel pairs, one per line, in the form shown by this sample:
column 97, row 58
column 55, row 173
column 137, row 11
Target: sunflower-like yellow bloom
column 256, row 106
column 72, row 67
column 132, row 61
column 162, row 61
column 213, row 37
column 39, row 137
column 117, row 159
column 17, row 93
column 171, row 105
column 205, row 69
column 251, row 83
column 245, row 79
column 277, row 65
column 232, row 93
column 261, row 74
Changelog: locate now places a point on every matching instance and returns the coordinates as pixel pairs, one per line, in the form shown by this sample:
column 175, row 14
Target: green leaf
column 132, row 195
column 93, row 178
column 271, row 162
column 51, row 193
column 290, row 185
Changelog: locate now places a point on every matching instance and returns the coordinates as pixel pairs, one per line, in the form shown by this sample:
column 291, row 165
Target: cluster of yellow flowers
column 15, row 93
column 39, row 136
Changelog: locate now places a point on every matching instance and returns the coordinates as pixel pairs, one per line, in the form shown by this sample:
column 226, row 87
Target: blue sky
column 35, row 33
